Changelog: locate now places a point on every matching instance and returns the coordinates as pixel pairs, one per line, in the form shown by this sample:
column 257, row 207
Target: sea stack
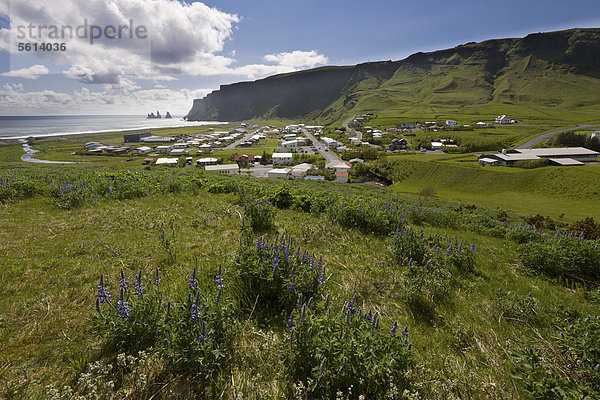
column 168, row 115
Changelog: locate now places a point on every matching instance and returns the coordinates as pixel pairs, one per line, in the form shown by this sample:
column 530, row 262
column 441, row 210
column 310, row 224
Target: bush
column 564, row 257
column 269, row 275
column 332, row 352
column 259, row 214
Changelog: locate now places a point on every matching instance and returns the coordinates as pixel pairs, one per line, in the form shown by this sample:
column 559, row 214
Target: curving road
column 29, row 152
column 540, row 138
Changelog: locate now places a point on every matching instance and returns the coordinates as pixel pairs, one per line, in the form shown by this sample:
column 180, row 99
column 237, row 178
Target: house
column 169, row 162
column 451, row 123
column 205, row 148
column 226, row 169
column 502, row 119
column 243, row 157
column 135, row 137
column 282, row 158
column 341, row 176
column 398, row 144
column 355, row 141
column 300, row 170
column 142, row 150
column 147, row 161
column 178, row 152
column 329, row 142
column 92, row 145
column 289, row 146
column 181, row 145
column 279, row 173
column 436, row 145
column 343, row 166
column 202, row 162
column 356, row 161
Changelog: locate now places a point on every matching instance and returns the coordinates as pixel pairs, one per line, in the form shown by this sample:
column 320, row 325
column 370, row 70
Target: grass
column 552, row 191
column 52, row 259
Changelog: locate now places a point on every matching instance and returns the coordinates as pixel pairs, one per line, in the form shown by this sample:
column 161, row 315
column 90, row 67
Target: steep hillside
column 546, row 72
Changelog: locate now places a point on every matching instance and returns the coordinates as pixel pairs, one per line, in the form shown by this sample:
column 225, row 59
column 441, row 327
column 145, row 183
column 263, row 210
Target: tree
column 428, row 193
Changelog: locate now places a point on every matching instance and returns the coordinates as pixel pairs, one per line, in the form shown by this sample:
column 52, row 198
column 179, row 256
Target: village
column 314, row 152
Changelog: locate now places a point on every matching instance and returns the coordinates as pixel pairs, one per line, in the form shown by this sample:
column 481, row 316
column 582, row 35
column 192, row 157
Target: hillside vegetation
column 543, row 77
column 178, row 284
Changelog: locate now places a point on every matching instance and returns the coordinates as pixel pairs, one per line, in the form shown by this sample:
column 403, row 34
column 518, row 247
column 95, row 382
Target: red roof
column 341, row 174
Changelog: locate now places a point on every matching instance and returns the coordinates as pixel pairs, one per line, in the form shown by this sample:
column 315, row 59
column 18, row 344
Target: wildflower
column 123, row 308
column 449, row 251
column 195, row 310
column 123, row 283
column 322, row 366
column 98, row 306
column 163, row 235
column 157, row 279
column 392, row 331
column 220, row 286
column 202, row 337
column 405, row 331
column 473, row 247
column 103, row 294
column 193, row 282
column 409, row 347
column 290, row 320
column 292, row 286
column 139, row 286
column 351, row 303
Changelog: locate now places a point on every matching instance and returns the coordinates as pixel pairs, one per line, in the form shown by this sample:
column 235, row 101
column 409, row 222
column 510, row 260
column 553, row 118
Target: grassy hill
column 570, row 192
column 542, row 77
column 483, row 321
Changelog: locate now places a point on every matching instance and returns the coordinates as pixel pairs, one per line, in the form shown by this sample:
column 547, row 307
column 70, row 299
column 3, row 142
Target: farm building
column 142, row 150
column 565, row 156
column 167, row 161
column 135, row 137
column 207, row 161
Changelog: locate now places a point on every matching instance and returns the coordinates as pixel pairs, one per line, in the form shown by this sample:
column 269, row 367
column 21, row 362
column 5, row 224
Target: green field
column 551, row 191
column 52, row 258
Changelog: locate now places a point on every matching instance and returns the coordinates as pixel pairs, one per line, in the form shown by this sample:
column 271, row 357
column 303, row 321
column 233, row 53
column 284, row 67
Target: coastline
column 99, row 133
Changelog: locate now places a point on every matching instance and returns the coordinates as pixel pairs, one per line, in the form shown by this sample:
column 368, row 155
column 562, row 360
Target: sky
column 131, row 57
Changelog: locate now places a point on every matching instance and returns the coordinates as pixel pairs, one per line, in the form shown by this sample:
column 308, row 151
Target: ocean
column 18, row 127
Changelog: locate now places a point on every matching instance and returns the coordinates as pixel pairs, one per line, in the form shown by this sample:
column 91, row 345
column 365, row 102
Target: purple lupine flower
column 275, row 261
column 220, row 285
column 98, row 306
column 473, row 247
column 449, row 251
column 163, row 235
column 459, row 250
column 351, row 304
column 409, row 347
column 195, row 310
column 193, row 282
column 123, row 308
column 375, row 321
column 202, row 337
column 303, row 314
column 290, row 320
column 139, row 286
column 157, row 279
column 322, row 277
column 392, row 331
column 405, row 332
column 103, row 293
column 292, row 287
column 123, row 283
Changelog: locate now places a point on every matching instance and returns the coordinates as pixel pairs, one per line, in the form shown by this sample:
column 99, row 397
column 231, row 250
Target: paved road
column 530, row 143
column 329, row 156
column 28, row 156
column 244, row 137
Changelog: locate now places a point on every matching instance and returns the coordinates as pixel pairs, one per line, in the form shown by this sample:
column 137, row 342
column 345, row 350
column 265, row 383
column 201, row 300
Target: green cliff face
column 560, row 70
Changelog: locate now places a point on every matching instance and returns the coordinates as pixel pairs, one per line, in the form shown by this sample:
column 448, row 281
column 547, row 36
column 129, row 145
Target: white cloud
column 183, row 39
column 33, row 72
column 125, row 97
column 297, row 59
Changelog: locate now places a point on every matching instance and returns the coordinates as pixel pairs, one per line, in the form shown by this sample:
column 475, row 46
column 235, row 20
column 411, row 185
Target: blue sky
column 194, row 47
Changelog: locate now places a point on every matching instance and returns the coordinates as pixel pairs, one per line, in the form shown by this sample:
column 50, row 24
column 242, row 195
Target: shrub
column 270, row 274
column 259, row 214
column 331, row 352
